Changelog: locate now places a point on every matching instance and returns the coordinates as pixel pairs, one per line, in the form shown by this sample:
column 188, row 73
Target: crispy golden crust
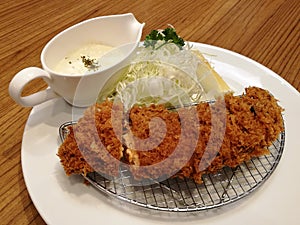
column 71, row 157
column 231, row 131
column 155, row 140
column 253, row 122
column 94, row 142
column 226, row 133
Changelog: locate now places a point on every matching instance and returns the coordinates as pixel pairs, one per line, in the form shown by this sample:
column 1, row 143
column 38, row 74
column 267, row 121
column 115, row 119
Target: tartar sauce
column 73, row 63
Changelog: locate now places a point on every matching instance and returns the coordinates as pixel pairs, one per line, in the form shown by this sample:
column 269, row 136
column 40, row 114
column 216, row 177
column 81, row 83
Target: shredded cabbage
column 167, row 75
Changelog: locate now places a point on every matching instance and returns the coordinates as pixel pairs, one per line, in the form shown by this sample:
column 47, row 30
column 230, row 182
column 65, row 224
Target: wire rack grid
column 184, row 195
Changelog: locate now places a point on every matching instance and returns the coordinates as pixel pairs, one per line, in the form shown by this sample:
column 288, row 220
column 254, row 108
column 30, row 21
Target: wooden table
column 264, row 30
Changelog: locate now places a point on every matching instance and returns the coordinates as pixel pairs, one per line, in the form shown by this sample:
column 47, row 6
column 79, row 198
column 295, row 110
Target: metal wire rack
column 184, row 195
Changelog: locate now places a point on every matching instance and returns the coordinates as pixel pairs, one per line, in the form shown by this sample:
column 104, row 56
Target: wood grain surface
column 265, row 30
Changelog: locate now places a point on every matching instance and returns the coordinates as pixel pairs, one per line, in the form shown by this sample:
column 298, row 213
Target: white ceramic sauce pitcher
column 123, row 32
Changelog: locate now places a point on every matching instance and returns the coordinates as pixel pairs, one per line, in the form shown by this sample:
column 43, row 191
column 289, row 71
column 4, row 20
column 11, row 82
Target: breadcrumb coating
column 94, row 143
column 224, row 134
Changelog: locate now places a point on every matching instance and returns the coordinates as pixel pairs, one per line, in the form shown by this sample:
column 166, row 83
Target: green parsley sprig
column 168, row 35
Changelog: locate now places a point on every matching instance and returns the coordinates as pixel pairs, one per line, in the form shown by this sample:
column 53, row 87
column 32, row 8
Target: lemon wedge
column 210, row 80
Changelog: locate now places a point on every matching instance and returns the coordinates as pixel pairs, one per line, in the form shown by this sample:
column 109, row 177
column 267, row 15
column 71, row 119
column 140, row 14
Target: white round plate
column 66, row 200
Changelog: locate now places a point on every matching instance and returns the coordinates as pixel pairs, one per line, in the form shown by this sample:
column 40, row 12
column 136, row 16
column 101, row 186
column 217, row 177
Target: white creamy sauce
column 102, row 57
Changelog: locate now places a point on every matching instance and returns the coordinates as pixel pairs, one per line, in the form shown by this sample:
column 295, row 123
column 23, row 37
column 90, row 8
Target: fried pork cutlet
column 93, row 144
column 231, row 131
column 162, row 143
